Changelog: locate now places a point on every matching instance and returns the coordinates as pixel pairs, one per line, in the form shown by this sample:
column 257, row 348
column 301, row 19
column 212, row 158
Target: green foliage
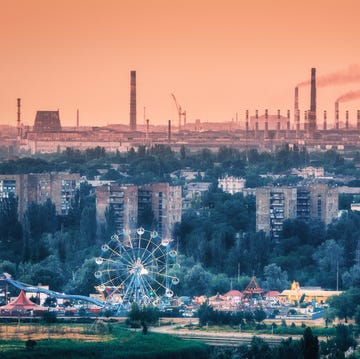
column 146, row 315
column 309, row 344
column 259, row 315
column 10, row 229
column 275, row 278
column 48, row 317
column 120, row 343
column 345, row 304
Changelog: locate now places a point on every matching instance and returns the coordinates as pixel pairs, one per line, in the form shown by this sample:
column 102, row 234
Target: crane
column 179, row 111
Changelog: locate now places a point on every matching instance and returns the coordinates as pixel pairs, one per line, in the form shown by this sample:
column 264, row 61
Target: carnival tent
column 21, row 305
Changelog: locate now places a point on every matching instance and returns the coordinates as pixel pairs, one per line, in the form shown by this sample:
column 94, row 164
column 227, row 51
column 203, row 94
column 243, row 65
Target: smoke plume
column 349, row 96
column 349, row 75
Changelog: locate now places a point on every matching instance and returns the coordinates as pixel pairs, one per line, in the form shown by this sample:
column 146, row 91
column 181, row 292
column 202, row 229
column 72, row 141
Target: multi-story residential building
column 59, row 187
column 231, row 184
column 127, row 202
column 166, row 204
column 276, row 204
column 121, row 202
column 192, row 194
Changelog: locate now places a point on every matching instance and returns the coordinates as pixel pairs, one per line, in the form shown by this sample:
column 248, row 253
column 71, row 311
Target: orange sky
column 218, row 57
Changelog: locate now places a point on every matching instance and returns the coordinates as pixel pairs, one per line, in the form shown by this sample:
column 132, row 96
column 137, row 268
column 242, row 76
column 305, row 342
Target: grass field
column 107, row 341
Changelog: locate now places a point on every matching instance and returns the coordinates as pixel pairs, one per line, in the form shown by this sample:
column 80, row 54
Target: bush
column 49, row 317
column 30, row 344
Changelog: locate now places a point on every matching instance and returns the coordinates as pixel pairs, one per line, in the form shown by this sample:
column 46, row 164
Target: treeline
column 50, row 249
column 221, row 237
column 218, row 245
column 155, row 164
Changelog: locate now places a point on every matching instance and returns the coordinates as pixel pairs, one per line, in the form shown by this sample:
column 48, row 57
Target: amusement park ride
column 137, row 267
column 133, row 268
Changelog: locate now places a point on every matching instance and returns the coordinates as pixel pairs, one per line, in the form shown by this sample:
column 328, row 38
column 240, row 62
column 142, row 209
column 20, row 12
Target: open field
column 98, row 340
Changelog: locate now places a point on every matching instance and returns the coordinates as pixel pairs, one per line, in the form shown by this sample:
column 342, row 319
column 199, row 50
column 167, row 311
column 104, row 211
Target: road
column 219, row 338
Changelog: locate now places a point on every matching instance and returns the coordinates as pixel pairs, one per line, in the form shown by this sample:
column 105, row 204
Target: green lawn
column 122, row 343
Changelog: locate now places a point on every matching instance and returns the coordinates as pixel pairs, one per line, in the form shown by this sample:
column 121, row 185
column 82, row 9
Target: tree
column 10, row 229
column 144, row 316
column 309, row 345
column 351, row 278
column 197, row 280
column 84, row 281
column 88, row 225
column 259, row 349
column 276, row 279
column 344, row 337
column 345, row 304
column 259, row 315
column 329, row 257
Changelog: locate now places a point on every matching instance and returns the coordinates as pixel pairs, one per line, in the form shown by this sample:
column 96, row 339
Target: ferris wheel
column 137, row 267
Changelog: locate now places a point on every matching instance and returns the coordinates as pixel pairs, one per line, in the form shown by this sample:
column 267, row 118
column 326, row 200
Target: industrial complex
column 261, row 130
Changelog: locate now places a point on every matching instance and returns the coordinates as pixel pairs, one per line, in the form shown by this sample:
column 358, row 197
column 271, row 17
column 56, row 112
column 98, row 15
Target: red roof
column 253, row 288
column 233, row 293
column 272, row 293
column 21, row 303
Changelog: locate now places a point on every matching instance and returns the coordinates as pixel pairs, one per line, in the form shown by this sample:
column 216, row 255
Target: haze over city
column 218, row 57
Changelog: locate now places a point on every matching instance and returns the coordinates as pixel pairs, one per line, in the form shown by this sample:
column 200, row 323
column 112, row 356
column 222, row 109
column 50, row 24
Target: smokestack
column 296, row 113
column 169, row 131
column 324, row 126
column 19, row 118
column 77, row 118
column 288, row 124
column 312, row 113
column 133, row 100
column 358, row 120
column 256, row 123
column 247, row 121
column 147, row 131
column 347, row 120
column 266, row 129
column 336, row 115
column 278, row 125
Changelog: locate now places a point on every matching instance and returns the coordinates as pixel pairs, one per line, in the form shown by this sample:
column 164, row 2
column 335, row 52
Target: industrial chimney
column 169, row 131
column 347, row 120
column 312, row 112
column 336, row 115
column 256, row 123
column 18, row 118
column 288, row 124
column 278, row 125
column 266, row 130
column 133, row 100
column 296, row 113
column 324, row 127
column 247, row 122
column 358, row 120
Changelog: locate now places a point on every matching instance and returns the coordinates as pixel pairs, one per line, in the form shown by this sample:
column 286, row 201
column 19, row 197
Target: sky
column 218, row 57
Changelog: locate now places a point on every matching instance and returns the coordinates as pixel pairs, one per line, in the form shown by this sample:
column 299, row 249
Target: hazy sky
column 218, row 57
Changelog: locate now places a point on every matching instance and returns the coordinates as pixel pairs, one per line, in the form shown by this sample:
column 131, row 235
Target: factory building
column 274, row 205
column 59, row 187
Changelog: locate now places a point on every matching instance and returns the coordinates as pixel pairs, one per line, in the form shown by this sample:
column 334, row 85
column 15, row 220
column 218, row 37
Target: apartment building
column 166, row 204
column 276, row 204
column 230, row 184
column 121, row 202
column 59, row 187
column 128, row 202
